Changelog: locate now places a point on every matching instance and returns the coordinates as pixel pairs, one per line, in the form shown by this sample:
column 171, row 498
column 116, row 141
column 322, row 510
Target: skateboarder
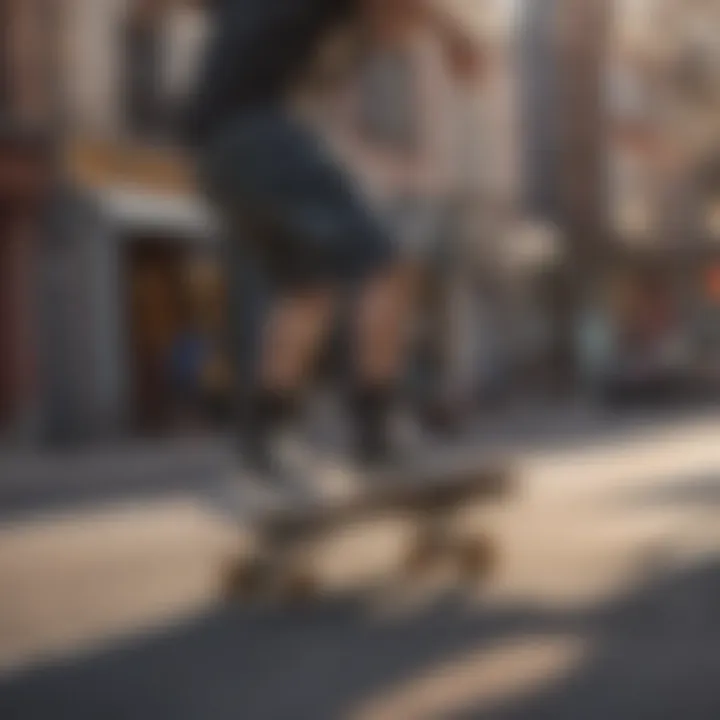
column 414, row 133
column 398, row 100
column 298, row 216
column 457, row 310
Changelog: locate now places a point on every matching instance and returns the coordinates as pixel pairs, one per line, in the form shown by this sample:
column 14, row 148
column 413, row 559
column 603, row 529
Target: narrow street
column 217, row 215
column 605, row 604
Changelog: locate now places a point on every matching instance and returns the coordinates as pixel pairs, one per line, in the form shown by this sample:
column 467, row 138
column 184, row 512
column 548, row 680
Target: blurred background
column 592, row 233
column 591, row 335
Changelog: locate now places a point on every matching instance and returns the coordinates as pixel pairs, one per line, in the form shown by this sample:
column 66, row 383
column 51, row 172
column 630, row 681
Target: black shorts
column 284, row 197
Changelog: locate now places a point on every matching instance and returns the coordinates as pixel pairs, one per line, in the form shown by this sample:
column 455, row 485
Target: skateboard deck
column 429, row 496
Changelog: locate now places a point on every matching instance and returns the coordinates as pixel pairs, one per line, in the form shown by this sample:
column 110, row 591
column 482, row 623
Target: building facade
column 133, row 260
column 662, row 144
column 136, row 247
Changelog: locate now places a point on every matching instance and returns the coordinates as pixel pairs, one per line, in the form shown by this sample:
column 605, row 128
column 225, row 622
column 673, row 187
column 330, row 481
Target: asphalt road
column 607, row 605
column 651, row 654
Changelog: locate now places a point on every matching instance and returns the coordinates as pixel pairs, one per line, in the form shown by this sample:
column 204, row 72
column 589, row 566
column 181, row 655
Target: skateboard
column 281, row 562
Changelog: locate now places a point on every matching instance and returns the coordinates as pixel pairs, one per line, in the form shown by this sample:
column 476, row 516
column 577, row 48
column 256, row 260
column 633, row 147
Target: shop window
column 181, row 372
column 143, row 53
column 161, row 43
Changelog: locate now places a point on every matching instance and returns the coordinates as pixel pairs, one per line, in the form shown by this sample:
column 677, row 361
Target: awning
column 138, row 210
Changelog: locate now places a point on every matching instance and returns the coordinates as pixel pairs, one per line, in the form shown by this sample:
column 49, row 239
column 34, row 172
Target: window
column 161, row 43
column 143, row 91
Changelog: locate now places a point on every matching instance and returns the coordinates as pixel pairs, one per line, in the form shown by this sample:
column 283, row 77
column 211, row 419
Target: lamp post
column 583, row 32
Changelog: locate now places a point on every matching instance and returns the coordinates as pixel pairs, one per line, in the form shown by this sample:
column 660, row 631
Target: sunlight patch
column 481, row 679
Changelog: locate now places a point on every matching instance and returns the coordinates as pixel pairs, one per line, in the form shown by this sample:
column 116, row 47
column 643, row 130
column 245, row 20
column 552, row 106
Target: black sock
column 372, row 405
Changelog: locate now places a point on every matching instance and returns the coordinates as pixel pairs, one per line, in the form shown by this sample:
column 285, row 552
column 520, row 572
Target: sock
column 371, row 406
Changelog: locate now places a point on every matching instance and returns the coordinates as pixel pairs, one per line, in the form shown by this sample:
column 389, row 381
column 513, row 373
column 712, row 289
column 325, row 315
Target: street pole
column 583, row 35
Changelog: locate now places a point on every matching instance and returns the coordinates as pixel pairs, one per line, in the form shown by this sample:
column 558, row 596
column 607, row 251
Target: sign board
column 103, row 164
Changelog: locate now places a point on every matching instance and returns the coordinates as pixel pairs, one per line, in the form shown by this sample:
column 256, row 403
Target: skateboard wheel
column 244, row 579
column 476, row 558
column 423, row 554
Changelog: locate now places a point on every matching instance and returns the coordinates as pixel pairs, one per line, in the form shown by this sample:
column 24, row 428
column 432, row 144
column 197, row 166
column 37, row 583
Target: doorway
column 176, row 320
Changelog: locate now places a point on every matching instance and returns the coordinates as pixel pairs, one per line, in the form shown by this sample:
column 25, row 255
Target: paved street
column 606, row 603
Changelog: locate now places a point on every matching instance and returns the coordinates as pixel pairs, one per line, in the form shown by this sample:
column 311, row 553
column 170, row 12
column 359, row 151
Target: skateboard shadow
column 649, row 654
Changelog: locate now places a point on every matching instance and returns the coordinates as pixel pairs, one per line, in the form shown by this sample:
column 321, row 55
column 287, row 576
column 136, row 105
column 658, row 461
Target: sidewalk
column 618, row 515
column 48, row 480
column 139, row 468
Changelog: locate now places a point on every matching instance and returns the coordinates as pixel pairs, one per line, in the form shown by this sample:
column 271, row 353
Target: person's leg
column 293, row 333
column 456, row 386
column 383, row 332
column 455, row 331
column 290, row 339
column 311, row 237
column 386, row 332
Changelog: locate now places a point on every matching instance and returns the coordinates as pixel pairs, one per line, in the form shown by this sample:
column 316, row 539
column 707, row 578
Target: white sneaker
column 321, row 473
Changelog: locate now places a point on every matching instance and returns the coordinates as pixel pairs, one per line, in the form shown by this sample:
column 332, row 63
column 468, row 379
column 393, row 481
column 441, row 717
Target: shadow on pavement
column 651, row 654
column 701, row 491
column 39, row 485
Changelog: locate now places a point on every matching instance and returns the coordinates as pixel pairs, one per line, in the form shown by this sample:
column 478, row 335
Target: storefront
column 137, row 276
column 660, row 316
column 173, row 336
